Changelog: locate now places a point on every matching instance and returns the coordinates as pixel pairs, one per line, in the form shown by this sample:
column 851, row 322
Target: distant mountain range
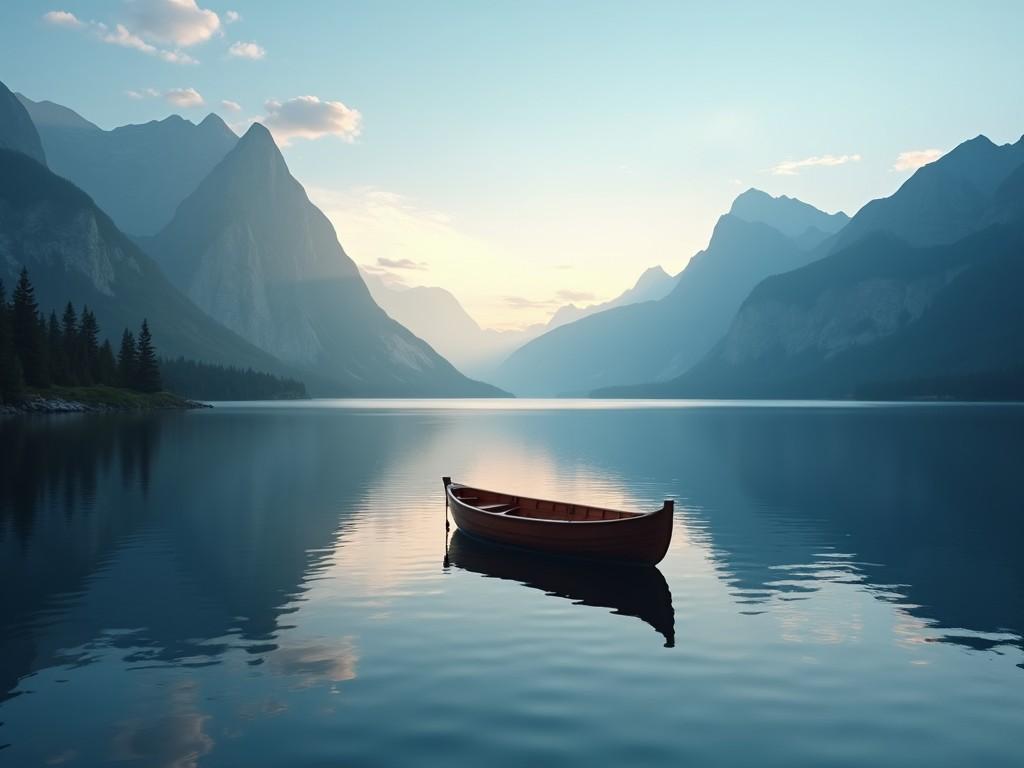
column 437, row 317
column 661, row 339
column 918, row 296
column 138, row 174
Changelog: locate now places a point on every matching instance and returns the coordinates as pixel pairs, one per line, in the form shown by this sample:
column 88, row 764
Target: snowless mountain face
column 437, row 317
column 73, row 252
column 252, row 251
column 658, row 340
column 17, row 132
column 138, row 174
column 922, row 299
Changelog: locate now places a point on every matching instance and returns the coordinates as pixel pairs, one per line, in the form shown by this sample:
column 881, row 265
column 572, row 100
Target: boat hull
column 643, row 539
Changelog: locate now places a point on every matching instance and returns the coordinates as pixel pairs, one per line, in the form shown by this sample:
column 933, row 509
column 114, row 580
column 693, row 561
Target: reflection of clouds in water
column 62, row 757
column 317, row 663
column 177, row 740
column 173, row 741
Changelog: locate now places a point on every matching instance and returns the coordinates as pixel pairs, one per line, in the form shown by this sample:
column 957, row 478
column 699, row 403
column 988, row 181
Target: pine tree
column 89, row 348
column 127, row 360
column 106, row 368
column 11, row 380
column 69, row 337
column 55, row 349
column 28, row 338
column 147, row 374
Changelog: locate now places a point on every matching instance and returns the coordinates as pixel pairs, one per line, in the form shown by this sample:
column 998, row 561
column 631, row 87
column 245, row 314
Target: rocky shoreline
column 40, row 404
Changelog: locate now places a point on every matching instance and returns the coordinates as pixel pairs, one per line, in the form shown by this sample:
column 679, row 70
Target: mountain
column 437, row 317
column 944, row 200
column 73, row 251
column 16, row 129
column 792, row 217
column 251, row 250
column 658, row 340
column 655, row 283
column 136, row 173
column 886, row 317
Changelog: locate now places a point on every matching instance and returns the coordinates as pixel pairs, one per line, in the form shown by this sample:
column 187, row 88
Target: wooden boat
column 628, row 590
column 560, row 527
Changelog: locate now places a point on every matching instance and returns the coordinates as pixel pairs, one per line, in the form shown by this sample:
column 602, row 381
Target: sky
column 528, row 154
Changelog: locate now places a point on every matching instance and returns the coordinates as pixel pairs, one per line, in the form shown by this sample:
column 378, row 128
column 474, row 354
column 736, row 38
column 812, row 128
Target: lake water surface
column 271, row 585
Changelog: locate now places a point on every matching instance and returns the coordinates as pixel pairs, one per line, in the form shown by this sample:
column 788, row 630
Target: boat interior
column 539, row 509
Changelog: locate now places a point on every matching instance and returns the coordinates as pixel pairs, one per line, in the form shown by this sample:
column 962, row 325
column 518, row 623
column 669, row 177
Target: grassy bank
column 98, row 398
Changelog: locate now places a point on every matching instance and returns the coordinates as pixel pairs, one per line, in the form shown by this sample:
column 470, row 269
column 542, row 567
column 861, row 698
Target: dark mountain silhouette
column 944, row 200
column 661, row 339
column 16, row 129
column 74, row 252
column 251, row 250
column 792, row 217
column 138, row 174
column 916, row 299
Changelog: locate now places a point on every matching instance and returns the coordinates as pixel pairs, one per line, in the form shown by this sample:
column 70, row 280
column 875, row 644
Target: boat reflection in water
column 629, row 590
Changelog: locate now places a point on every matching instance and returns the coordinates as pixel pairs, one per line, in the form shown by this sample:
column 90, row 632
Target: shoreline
column 98, row 400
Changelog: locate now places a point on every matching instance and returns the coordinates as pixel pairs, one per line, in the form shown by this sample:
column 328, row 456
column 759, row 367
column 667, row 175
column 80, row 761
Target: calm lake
column 271, row 585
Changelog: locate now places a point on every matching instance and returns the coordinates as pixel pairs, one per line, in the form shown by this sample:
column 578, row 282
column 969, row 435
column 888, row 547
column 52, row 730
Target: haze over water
column 265, row 585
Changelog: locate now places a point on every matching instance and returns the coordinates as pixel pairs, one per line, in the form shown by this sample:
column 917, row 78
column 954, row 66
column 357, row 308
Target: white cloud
column 307, row 117
column 62, row 19
column 915, row 158
column 143, row 93
column 172, row 22
column 242, row 50
column 121, row 36
column 231, row 106
column 184, row 97
column 792, row 167
column 230, row 17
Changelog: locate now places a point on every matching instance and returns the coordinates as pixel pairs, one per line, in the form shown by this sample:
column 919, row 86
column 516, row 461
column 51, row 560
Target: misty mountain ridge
column 250, row 249
column 17, row 131
column 661, row 339
column 138, row 174
column 885, row 314
column 655, row 283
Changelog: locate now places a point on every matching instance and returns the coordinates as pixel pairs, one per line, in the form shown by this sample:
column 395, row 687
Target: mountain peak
column 213, row 122
column 257, row 134
column 790, row 216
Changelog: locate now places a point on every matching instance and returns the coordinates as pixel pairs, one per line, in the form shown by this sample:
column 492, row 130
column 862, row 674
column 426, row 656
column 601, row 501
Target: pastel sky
column 523, row 154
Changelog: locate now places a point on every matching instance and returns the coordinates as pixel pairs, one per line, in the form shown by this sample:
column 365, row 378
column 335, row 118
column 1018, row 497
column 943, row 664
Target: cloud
column 172, row 22
column 387, row 263
column 62, row 19
column 143, row 93
column 521, row 302
column 574, row 296
column 231, row 106
column 242, row 50
column 149, row 25
column 307, row 117
column 230, row 17
column 915, row 158
column 184, row 97
column 792, row 167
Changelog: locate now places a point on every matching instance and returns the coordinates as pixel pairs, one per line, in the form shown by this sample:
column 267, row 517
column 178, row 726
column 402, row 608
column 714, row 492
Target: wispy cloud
column 793, row 167
column 915, row 158
column 184, row 97
column 231, row 106
column 159, row 28
column 230, row 17
column 172, row 22
column 307, row 117
column 62, row 19
column 387, row 263
column 523, row 302
column 573, row 296
column 143, row 93
column 242, row 50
